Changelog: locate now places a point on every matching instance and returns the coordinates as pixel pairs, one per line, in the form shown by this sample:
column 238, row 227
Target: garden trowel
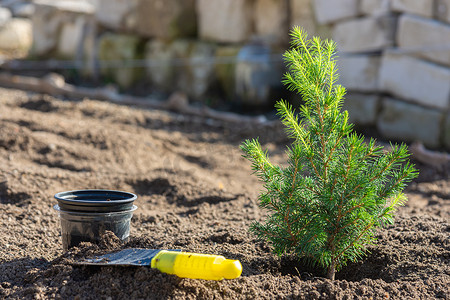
column 182, row 264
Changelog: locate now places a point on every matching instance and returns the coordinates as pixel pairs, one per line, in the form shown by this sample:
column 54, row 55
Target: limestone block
column 447, row 132
column 430, row 38
column 362, row 108
column 23, row 9
column 409, row 122
column 74, row 6
column 417, row 7
column 166, row 19
column 365, row 34
column 199, row 73
column 330, row 11
column 224, row 21
column 415, row 80
column 49, row 18
column 183, row 65
column 375, row 7
column 443, row 10
column 89, row 51
column 301, row 8
column 359, row 72
column 5, row 16
column 16, row 35
column 115, row 50
column 271, row 20
column 71, row 37
column 115, row 14
column 301, row 14
column 160, row 64
column 180, row 51
column 257, row 74
column 225, row 68
column 46, row 23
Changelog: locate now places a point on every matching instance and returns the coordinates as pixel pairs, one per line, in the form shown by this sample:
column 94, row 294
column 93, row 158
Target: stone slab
column 70, row 42
column 199, row 73
column 16, row 35
column 225, row 68
column 375, row 7
column 49, row 18
column 115, row 14
column 257, row 75
column 224, row 21
column 447, row 132
column 430, row 38
column 359, row 72
column 180, row 51
column 442, row 11
column 409, row 122
column 327, row 11
column 45, row 29
column 115, row 50
column 271, row 19
column 160, row 69
column 362, row 108
column 184, row 65
column 302, row 14
column 168, row 19
column 90, row 51
column 418, row 7
column 365, row 34
column 415, row 80
column 74, row 6
column 22, row 9
column 5, row 16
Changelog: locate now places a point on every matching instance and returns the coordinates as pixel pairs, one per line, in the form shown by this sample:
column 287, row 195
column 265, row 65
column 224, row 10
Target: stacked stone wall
column 231, row 49
column 394, row 55
column 394, row 59
column 15, row 28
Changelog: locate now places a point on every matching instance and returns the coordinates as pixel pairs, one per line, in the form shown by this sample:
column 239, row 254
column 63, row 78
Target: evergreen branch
column 286, row 113
column 336, row 144
column 366, row 228
column 340, row 229
column 293, row 184
column 300, row 38
column 331, row 79
column 399, row 200
column 286, row 220
column 261, row 163
column 372, row 179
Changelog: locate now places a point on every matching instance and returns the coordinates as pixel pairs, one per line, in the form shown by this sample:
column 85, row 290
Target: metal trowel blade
column 126, row 257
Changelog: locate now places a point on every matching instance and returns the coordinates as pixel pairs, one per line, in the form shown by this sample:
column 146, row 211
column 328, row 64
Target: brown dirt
column 195, row 193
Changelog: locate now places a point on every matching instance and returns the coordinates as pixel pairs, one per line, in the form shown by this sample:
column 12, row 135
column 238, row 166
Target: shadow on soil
column 17, row 198
column 162, row 186
column 158, row 186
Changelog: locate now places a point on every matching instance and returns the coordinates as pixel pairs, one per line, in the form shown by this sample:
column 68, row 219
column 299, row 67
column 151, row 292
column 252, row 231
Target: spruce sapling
column 336, row 189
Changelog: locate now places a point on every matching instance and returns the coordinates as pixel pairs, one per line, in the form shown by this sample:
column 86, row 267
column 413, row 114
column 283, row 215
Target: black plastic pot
column 86, row 214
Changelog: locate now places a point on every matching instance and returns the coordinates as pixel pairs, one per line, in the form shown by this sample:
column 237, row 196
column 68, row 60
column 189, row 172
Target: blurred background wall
column 394, row 55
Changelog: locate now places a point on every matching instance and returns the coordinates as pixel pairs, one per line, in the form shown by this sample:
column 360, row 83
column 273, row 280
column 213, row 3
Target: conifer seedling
column 336, row 189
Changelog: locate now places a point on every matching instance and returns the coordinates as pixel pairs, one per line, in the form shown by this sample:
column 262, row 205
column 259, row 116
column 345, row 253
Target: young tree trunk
column 331, row 270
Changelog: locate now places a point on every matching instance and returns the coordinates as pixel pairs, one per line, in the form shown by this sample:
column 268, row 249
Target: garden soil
column 195, row 193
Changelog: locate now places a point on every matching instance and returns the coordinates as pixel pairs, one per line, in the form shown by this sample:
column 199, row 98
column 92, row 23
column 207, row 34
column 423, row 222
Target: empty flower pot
column 86, row 214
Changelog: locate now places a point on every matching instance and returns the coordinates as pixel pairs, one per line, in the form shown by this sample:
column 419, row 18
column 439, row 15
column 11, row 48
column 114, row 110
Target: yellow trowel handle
column 196, row 266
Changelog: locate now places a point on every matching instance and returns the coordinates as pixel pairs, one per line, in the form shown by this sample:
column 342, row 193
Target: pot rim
column 93, row 199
